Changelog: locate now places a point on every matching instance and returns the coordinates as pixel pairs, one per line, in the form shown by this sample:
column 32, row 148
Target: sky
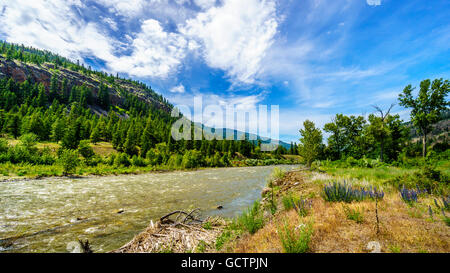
column 313, row 58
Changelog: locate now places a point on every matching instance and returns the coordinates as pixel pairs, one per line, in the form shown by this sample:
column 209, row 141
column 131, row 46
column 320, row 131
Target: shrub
column 337, row 192
column 295, row 240
column 429, row 179
column 138, row 161
column 69, row 161
column 4, row 146
column 85, row 149
column 122, row 160
column 252, row 219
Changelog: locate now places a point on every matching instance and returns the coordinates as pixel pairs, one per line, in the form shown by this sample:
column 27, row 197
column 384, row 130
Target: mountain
column 26, row 66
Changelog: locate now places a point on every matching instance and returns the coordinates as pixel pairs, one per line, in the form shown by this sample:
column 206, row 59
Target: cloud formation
column 235, row 36
column 231, row 35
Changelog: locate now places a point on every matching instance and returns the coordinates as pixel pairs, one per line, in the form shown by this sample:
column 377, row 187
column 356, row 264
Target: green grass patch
column 295, row 240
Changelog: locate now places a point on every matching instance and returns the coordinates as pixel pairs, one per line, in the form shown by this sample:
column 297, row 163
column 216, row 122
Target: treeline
column 382, row 135
column 141, row 131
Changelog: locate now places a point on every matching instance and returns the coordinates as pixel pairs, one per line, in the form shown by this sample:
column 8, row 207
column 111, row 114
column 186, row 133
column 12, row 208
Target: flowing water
column 50, row 215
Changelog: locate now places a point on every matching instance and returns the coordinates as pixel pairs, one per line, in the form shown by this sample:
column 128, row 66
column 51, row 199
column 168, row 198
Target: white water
column 43, row 213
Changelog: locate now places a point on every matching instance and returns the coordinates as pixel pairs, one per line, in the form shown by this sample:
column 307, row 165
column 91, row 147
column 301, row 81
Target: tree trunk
column 424, row 145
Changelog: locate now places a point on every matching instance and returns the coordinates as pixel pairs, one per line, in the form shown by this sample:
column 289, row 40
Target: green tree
column 131, row 142
column 42, row 98
column 378, row 128
column 70, row 139
column 58, row 129
column 69, row 161
column 13, row 125
column 310, row 142
column 345, row 138
column 148, row 140
column 85, row 149
column 427, row 107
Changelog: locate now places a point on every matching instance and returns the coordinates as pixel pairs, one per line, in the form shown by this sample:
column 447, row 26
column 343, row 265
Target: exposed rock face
column 21, row 71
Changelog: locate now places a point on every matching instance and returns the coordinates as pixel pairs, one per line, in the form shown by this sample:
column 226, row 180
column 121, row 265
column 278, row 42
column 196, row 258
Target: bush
column 295, row 240
column 428, row 179
column 85, row 149
column 4, row 146
column 122, row 160
column 138, row 161
column 337, row 192
column 69, row 161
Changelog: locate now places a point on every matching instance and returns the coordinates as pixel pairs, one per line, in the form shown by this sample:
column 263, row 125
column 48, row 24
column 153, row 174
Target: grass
column 403, row 228
column 354, row 214
column 252, row 219
column 295, row 239
column 288, row 201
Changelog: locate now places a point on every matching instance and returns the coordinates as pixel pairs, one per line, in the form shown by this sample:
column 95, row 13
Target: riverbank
column 294, row 216
column 300, row 219
column 19, row 172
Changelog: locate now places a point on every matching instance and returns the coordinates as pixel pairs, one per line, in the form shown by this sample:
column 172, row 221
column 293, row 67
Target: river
column 49, row 215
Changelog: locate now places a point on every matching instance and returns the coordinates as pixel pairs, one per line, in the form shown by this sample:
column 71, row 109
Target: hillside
column 25, row 65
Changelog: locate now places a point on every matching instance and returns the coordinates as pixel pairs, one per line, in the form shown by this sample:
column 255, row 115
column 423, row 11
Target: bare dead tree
column 383, row 117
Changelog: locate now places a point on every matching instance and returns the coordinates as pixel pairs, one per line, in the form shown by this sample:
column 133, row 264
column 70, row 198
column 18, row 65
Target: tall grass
column 252, row 219
column 295, row 240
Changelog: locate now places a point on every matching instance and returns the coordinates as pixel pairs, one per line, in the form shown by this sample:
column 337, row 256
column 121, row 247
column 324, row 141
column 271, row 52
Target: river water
column 49, row 215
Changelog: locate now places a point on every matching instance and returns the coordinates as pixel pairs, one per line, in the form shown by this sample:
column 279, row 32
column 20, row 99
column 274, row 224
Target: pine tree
column 130, row 142
column 148, row 141
column 42, row 98
column 13, row 125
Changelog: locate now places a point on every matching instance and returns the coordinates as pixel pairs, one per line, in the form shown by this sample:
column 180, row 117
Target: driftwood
column 85, row 246
column 178, row 231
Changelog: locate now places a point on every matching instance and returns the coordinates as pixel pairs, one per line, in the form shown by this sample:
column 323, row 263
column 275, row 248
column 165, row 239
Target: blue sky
column 313, row 58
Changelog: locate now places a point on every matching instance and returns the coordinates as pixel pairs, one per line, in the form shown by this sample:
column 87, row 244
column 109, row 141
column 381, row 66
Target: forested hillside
column 48, row 98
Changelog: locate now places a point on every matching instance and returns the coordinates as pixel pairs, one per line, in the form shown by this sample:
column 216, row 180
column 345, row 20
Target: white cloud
column 178, row 89
column 373, row 2
column 127, row 8
column 205, row 4
column 156, row 53
column 53, row 26
column 111, row 23
column 57, row 27
column 235, row 36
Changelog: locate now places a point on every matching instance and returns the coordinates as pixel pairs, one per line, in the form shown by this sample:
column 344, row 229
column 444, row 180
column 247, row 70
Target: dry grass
column 103, row 148
column 402, row 228
column 100, row 148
